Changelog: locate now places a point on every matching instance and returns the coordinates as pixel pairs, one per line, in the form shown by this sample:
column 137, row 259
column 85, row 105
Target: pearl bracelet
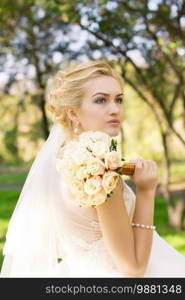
column 144, row 226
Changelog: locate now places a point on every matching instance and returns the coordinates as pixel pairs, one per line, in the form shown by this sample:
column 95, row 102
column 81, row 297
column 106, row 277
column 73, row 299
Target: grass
column 8, row 201
column 13, row 179
column 176, row 239
column 13, row 175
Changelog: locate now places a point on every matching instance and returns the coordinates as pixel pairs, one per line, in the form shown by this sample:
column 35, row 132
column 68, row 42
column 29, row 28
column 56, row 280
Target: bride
column 49, row 235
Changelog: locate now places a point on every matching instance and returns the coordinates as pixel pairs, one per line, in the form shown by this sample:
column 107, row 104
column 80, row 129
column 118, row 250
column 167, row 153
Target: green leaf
column 113, row 145
column 59, row 259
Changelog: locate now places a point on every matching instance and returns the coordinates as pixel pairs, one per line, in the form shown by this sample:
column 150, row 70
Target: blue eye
column 99, row 99
column 120, row 100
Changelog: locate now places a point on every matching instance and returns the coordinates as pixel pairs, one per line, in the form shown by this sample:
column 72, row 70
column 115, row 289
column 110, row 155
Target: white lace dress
column 87, row 256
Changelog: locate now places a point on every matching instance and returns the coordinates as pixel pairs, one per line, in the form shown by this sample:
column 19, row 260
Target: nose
column 114, row 108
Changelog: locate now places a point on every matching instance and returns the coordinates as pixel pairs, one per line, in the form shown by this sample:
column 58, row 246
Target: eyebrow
column 105, row 94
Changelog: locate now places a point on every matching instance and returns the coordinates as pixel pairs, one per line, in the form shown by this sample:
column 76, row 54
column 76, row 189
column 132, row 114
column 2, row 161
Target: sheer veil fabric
column 32, row 240
column 49, row 235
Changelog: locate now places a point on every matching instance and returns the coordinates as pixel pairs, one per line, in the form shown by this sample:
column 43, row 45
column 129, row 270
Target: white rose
column 70, row 167
column 92, row 185
column 85, row 137
column 82, row 172
column 98, row 198
column 90, row 137
column 65, row 164
column 83, row 156
column 83, row 200
column 86, row 144
column 69, row 149
column 77, row 187
column 113, row 160
column 80, row 155
column 100, row 149
column 86, row 200
column 109, row 181
column 95, row 167
column 101, row 136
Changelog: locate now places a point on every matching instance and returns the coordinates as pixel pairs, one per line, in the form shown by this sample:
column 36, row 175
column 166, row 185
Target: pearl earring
column 76, row 129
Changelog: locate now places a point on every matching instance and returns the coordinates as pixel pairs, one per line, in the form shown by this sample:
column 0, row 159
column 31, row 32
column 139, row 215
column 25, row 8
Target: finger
column 152, row 165
column 139, row 164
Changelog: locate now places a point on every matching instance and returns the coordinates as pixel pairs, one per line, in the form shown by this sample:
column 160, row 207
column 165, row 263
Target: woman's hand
column 145, row 175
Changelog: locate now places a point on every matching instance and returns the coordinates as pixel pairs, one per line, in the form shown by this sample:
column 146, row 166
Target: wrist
column 150, row 192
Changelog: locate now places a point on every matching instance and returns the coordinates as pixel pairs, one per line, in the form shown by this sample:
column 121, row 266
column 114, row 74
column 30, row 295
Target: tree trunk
column 175, row 212
column 166, row 168
column 122, row 142
column 45, row 124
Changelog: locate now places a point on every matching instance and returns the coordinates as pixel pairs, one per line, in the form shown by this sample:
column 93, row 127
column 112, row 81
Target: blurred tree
column 155, row 33
column 30, row 38
column 145, row 37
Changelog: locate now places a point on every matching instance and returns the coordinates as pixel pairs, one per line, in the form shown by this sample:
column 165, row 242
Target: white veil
column 33, row 239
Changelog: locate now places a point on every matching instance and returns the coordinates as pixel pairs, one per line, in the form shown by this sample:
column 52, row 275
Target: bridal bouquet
column 91, row 166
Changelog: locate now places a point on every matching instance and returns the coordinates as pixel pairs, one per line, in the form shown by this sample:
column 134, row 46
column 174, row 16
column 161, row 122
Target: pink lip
column 114, row 122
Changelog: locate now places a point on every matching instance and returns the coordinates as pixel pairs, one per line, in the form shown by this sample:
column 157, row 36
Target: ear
column 72, row 113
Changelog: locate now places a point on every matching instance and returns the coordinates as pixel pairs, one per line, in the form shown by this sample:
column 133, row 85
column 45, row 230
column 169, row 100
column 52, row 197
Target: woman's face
column 101, row 103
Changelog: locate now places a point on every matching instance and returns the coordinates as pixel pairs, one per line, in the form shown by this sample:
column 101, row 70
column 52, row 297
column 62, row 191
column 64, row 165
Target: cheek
column 92, row 113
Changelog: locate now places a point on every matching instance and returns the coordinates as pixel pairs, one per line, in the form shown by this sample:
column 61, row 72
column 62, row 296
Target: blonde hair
column 67, row 87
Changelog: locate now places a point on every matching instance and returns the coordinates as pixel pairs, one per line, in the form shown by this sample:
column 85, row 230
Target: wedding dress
column 49, row 235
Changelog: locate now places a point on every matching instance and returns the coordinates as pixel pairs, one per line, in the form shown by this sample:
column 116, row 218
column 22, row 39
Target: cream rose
column 80, row 155
column 96, row 167
column 82, row 172
column 109, row 181
column 113, row 160
column 77, row 187
column 87, row 144
column 100, row 149
column 69, row 149
column 86, row 200
column 101, row 136
column 98, row 198
column 83, row 200
column 87, row 139
column 92, row 185
column 65, row 164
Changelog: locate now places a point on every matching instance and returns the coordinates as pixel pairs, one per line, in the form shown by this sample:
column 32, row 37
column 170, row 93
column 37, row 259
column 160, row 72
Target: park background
column 144, row 41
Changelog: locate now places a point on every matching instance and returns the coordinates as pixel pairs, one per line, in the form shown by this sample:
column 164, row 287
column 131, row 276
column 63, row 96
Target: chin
column 112, row 131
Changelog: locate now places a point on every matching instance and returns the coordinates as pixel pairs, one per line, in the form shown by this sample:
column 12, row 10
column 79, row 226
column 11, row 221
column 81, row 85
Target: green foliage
column 161, row 222
column 7, row 205
column 155, row 33
column 10, row 142
column 113, row 146
column 13, row 179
